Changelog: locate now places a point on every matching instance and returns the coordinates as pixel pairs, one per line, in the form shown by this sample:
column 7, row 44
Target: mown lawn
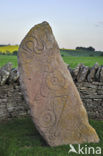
column 72, row 60
column 8, row 58
column 19, row 137
column 88, row 61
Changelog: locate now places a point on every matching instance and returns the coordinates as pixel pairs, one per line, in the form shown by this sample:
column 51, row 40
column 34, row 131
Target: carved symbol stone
column 47, row 119
column 56, row 106
column 55, row 80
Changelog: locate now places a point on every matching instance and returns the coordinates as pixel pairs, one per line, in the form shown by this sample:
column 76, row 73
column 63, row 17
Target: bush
column 15, row 52
column 85, row 48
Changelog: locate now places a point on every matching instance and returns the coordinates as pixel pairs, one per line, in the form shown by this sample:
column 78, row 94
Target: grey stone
column 5, row 72
column 82, row 73
column 101, row 74
column 93, row 70
column 76, row 71
column 14, row 75
column 7, row 67
column 4, row 76
column 97, row 75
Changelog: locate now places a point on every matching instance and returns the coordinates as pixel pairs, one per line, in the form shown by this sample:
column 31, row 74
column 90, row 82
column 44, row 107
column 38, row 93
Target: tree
column 85, row 48
column 91, row 49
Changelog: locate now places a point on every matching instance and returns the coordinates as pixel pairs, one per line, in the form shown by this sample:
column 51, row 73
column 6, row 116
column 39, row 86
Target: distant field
column 64, row 52
column 71, row 60
column 70, row 56
column 71, row 52
column 9, row 48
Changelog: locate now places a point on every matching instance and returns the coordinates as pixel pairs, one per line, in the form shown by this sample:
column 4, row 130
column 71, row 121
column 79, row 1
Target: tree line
column 85, row 48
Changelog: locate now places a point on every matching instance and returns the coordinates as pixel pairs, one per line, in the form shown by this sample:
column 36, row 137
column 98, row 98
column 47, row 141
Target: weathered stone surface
column 93, row 71
column 7, row 67
column 97, row 75
column 14, row 75
column 82, row 73
column 12, row 103
column 75, row 71
column 48, row 88
column 4, row 76
column 101, row 74
column 5, row 72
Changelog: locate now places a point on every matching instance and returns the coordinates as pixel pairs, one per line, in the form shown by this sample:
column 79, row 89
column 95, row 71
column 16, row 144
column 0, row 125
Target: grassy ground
column 73, row 61
column 88, row 61
column 8, row 58
column 19, row 137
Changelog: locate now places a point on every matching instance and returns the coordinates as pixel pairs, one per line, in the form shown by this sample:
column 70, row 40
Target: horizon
column 74, row 23
column 4, row 45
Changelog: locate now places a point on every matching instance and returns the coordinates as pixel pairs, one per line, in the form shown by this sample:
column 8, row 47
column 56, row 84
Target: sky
column 74, row 22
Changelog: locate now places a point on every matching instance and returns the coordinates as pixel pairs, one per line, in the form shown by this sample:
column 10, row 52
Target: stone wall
column 90, row 87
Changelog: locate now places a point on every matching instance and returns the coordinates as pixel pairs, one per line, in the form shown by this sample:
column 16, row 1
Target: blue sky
column 74, row 22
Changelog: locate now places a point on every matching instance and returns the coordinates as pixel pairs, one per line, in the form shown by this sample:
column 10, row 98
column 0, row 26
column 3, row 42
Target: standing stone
column 56, row 106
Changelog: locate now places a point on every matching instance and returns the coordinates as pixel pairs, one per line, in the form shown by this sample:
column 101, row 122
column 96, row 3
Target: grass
column 8, row 58
column 88, row 61
column 73, row 61
column 73, row 52
column 19, row 137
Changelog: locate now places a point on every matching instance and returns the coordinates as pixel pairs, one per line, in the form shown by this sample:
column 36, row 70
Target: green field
column 88, row 61
column 70, row 56
column 73, row 61
column 8, row 58
column 71, row 52
column 19, row 137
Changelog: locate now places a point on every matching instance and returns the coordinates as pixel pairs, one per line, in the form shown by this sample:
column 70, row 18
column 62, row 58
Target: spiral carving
column 31, row 44
column 55, row 80
column 47, row 119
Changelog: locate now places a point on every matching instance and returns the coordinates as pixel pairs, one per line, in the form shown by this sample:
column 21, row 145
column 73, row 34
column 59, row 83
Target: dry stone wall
column 89, row 82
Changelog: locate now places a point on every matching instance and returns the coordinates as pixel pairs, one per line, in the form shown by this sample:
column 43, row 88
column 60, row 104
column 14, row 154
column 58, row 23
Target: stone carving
column 48, row 88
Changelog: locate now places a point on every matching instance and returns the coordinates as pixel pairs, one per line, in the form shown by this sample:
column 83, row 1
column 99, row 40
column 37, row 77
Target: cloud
column 99, row 24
